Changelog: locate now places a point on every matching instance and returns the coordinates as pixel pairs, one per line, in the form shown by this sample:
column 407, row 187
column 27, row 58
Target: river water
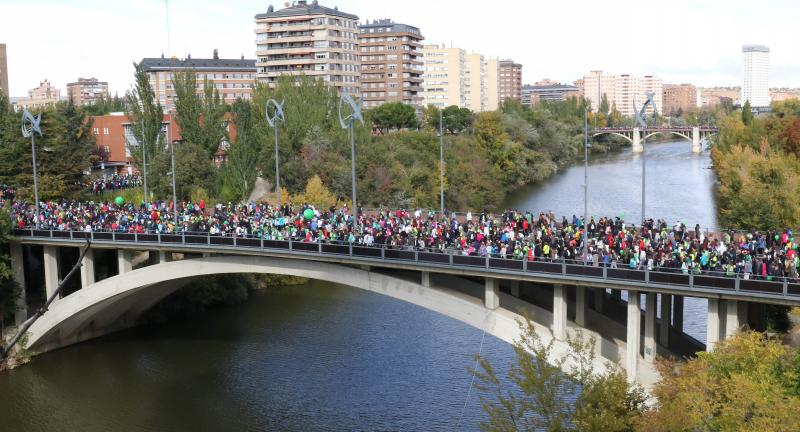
column 323, row 357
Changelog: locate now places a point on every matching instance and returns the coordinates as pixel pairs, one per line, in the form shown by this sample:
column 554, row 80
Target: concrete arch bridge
column 634, row 135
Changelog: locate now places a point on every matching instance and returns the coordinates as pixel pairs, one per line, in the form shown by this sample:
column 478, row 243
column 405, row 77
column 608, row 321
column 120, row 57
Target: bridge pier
column 124, row 264
column 18, row 272
column 87, row 269
column 425, row 279
column 677, row 313
column 650, row 327
column 696, row 140
column 580, row 306
column 666, row 318
column 633, row 334
column 637, row 140
column 731, row 317
column 559, row 312
column 713, row 325
column 50, row 260
column 491, row 295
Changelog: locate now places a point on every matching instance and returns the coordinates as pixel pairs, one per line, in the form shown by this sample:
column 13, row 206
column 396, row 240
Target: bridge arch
column 94, row 310
column 680, row 134
column 619, row 134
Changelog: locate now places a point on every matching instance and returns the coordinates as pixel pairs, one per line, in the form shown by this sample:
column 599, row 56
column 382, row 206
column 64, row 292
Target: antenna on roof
column 169, row 41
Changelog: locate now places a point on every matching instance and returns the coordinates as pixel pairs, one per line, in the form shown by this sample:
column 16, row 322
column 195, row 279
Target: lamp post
column 586, row 147
column 174, row 190
column 144, row 153
column 641, row 120
column 273, row 120
column 441, row 163
column 30, row 127
column 347, row 121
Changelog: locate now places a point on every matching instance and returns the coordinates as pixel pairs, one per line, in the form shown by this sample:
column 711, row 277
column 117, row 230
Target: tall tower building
column 308, row 39
column 755, row 83
column 391, row 63
column 87, row 91
column 444, row 77
column 3, row 70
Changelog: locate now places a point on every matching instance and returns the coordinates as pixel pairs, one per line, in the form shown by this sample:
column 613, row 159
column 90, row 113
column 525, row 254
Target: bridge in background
column 486, row 292
column 694, row 134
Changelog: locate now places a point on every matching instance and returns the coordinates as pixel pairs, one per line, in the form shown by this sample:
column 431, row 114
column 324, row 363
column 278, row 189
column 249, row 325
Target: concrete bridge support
column 650, row 327
column 666, row 319
column 637, row 140
column 124, row 264
column 50, row 261
column 731, row 317
column 425, row 279
column 18, row 272
column 696, row 140
column 677, row 312
column 713, row 325
column 491, row 296
column 580, row 306
column 633, row 334
column 87, row 269
column 559, row 312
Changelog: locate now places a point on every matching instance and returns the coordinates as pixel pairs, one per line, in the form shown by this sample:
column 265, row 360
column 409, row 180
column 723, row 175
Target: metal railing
column 707, row 281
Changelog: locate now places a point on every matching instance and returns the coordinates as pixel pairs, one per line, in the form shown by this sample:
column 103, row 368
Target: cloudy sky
column 678, row 40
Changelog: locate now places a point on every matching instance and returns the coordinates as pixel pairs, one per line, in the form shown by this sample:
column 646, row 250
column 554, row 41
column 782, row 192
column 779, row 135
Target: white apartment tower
column 305, row 38
column 453, row 77
column 622, row 90
column 755, row 84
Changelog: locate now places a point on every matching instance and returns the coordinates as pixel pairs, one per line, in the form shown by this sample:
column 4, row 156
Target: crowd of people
column 654, row 245
column 114, row 182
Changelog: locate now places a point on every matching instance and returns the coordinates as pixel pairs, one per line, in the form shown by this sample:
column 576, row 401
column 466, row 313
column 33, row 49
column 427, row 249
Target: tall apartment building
column 510, row 85
column 40, row 97
column 87, row 91
column 547, row 90
column 3, row 70
column 482, row 81
column 391, row 63
column 443, row 80
column 622, row 90
column 678, row 97
column 308, row 39
column 232, row 78
column 755, row 83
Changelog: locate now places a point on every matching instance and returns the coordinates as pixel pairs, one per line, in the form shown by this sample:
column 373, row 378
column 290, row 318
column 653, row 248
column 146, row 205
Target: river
column 323, row 357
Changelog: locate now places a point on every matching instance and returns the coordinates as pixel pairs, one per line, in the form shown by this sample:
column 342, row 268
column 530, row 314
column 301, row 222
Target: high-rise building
column 453, row 77
column 232, row 78
column 678, row 98
column 87, row 91
column 3, row 70
column 391, row 63
column 547, row 90
column 755, row 83
column 40, row 97
column 444, row 77
column 308, row 39
column 510, row 75
column 622, row 90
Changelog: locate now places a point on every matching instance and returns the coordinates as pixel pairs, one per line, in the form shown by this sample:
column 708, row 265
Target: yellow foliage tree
column 316, row 194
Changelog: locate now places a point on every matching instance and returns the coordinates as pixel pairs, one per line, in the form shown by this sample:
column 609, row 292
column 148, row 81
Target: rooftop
column 755, row 48
column 387, row 26
column 302, row 7
column 154, row 64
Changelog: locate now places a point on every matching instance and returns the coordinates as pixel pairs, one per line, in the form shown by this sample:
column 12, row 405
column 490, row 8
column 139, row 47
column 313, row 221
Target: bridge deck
column 783, row 291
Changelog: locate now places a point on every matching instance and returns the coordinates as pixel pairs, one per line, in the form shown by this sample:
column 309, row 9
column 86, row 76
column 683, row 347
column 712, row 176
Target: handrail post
column 234, row 240
column 785, row 287
column 183, row 237
column 416, row 255
column 135, row 237
column 319, row 247
column 71, row 234
column 51, row 233
column 605, row 272
column 487, row 261
column 290, row 244
column 158, row 237
column 383, row 252
column 525, row 264
column 691, row 280
column 564, row 267
column 208, row 238
column 647, row 276
column 450, row 257
column 350, row 249
column 736, row 283
column 113, row 236
column 262, row 241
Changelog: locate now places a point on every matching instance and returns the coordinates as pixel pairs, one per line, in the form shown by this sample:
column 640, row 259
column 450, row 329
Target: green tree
column 748, row 383
column 201, row 118
column 9, row 289
column 542, row 385
column 147, row 116
column 455, row 120
column 241, row 169
column 604, row 105
column 194, row 170
column 747, row 113
column 393, row 115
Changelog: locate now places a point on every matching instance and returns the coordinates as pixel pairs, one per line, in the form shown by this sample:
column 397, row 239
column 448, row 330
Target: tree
column 9, row 289
column 747, row 113
column 455, row 119
column 604, row 105
column 146, row 118
column 194, row 170
column 543, row 385
column 316, row 194
column 748, row 383
column 393, row 115
column 201, row 118
column 241, row 168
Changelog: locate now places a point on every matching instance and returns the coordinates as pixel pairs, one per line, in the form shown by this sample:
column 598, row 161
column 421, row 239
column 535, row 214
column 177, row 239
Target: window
column 105, row 131
column 96, row 131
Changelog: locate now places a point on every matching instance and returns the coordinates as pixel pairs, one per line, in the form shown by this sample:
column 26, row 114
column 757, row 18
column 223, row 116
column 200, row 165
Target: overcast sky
column 679, row 40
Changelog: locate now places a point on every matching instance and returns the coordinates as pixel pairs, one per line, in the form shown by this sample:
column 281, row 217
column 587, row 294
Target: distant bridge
column 694, row 134
column 486, row 292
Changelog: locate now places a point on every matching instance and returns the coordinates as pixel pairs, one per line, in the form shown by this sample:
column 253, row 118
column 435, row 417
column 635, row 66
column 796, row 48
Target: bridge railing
column 452, row 258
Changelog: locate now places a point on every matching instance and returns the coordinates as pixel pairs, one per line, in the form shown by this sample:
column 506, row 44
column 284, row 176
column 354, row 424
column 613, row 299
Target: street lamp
column 641, row 120
column 172, row 156
column 347, row 103
column 273, row 120
column 30, row 127
column 586, row 147
column 441, row 163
